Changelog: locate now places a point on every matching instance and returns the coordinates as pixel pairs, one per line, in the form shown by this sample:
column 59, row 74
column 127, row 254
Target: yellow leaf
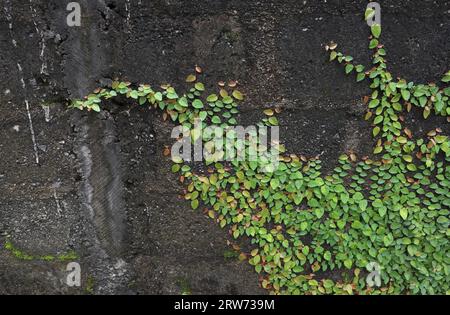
column 191, row 78
column 238, row 95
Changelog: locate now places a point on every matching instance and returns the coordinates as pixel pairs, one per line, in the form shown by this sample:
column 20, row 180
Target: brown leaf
column 232, row 83
column 408, row 132
column 332, row 45
column 365, row 99
column 166, row 151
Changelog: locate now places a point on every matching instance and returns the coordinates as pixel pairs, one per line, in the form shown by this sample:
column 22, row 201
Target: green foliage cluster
column 316, row 233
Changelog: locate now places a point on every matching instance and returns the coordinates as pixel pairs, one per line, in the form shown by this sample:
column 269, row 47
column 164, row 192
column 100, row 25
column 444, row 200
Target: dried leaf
column 268, row 112
column 166, row 151
column 191, row 78
column 232, row 83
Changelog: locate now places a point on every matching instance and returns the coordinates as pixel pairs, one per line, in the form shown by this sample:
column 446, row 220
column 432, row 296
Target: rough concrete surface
column 103, row 188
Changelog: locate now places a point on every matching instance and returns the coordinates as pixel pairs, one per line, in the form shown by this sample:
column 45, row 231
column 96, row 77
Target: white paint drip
column 33, row 136
column 7, row 9
column 128, row 11
column 58, row 205
column 42, row 39
column 46, row 113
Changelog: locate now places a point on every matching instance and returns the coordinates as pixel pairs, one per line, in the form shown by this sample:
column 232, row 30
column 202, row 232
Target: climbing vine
column 315, row 233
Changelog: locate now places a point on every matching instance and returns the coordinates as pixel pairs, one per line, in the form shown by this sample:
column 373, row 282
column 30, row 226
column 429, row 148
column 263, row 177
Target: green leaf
column 175, row 168
column 359, row 68
column 374, row 103
column 446, row 78
column 183, row 101
column 404, row 213
column 197, row 104
column 348, row 263
column 411, row 167
column 333, row 55
column 319, row 212
column 376, row 131
column 95, row 108
column 216, row 120
column 378, row 119
column 134, row 94
column 194, row 204
column 382, row 211
column 158, row 96
column 202, row 115
column 273, row 121
column 376, row 30
column 227, row 100
column 142, row 100
column 305, row 250
column 373, row 43
column 212, row 98
column 199, row 86
column 274, row 183
column 368, row 13
column 360, row 76
column 348, row 68
column 363, row 205
column 378, row 150
column 405, row 94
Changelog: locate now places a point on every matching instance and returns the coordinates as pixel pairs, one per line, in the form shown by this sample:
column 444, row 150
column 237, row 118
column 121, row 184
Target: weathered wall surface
column 102, row 186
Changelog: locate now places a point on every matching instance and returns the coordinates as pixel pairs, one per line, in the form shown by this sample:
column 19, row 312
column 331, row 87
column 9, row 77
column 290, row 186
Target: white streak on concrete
column 7, row 9
column 128, row 11
column 46, row 113
column 58, row 205
column 42, row 39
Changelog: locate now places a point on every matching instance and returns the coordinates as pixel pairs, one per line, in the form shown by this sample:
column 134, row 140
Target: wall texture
column 102, row 186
